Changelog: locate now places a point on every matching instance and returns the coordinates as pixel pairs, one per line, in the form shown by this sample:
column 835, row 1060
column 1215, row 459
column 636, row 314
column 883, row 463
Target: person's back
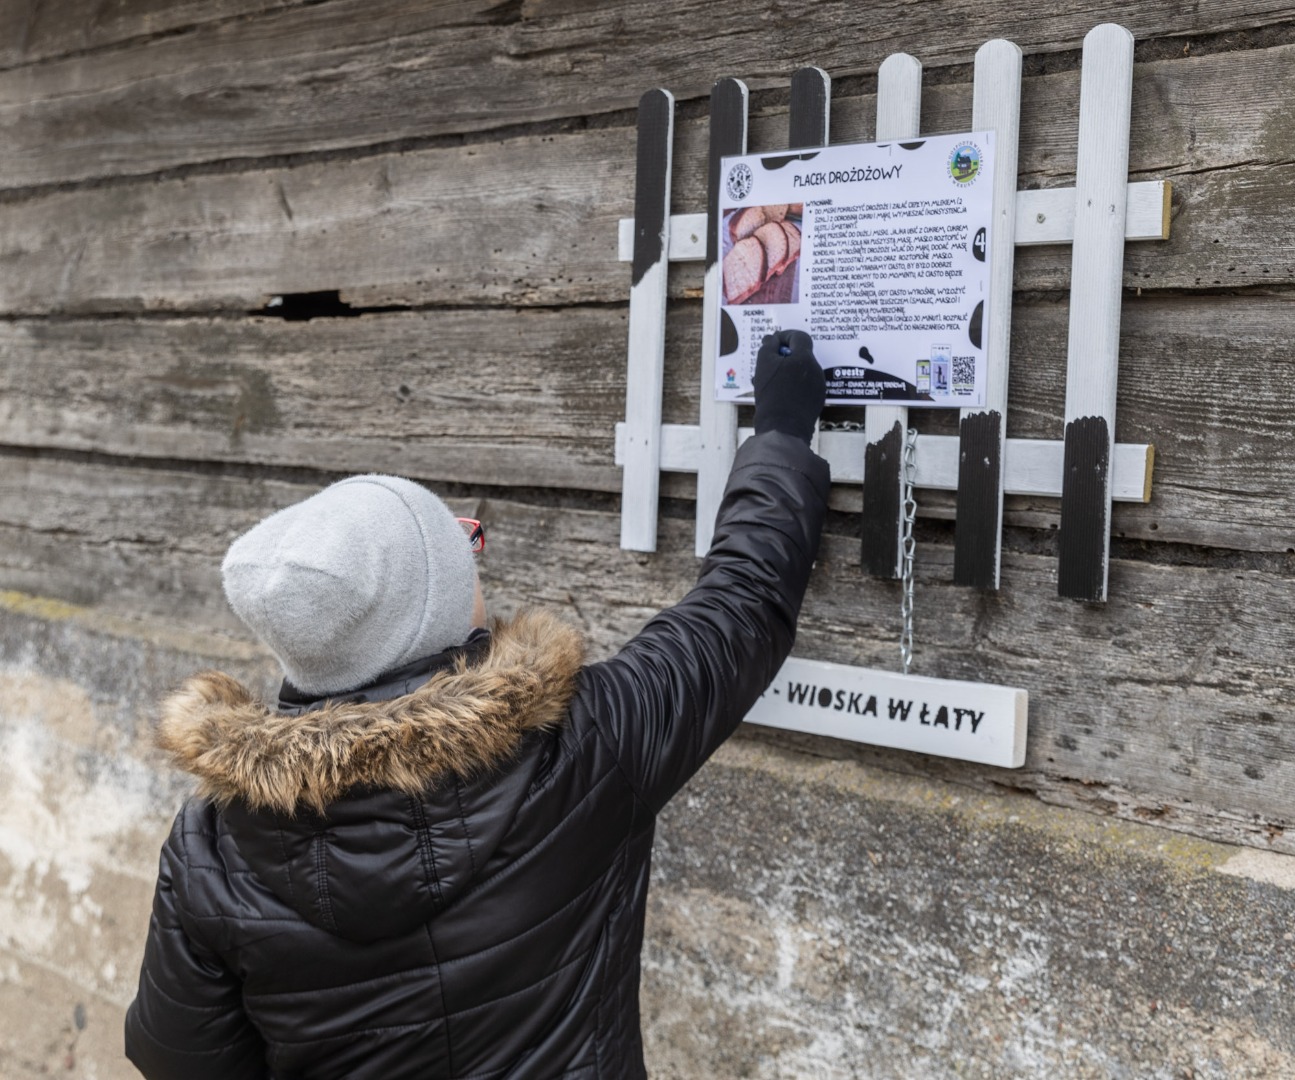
column 442, row 871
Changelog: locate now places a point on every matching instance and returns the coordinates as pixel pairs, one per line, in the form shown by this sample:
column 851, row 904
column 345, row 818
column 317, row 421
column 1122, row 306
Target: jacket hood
column 463, row 720
column 368, row 818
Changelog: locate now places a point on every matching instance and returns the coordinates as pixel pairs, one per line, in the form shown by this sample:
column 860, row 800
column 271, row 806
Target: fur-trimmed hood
column 462, row 721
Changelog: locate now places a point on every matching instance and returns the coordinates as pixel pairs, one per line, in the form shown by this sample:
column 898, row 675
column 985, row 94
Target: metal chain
column 909, row 507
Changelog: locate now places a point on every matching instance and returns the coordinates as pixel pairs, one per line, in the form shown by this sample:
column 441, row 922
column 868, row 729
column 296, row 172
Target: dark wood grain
column 425, row 229
column 353, row 73
column 36, row 30
column 532, row 398
column 526, row 398
column 1177, row 689
column 533, row 219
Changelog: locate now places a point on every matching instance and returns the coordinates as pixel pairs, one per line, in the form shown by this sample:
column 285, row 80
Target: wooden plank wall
column 449, row 176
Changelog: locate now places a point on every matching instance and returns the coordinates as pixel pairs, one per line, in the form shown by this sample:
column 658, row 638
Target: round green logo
column 964, row 164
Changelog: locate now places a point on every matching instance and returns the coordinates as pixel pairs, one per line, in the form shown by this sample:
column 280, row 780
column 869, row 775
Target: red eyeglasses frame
column 476, row 534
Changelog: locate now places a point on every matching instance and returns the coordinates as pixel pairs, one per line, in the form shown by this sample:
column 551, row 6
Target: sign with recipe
column 878, row 251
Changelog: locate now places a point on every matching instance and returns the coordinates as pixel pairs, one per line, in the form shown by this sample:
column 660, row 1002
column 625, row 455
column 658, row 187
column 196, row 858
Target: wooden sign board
column 946, row 717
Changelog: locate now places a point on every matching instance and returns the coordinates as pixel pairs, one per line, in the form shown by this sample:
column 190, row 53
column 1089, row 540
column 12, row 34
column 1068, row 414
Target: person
column 430, row 858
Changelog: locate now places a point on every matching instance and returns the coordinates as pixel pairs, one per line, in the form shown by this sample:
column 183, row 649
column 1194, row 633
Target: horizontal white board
column 1045, row 216
column 946, row 717
column 1030, row 466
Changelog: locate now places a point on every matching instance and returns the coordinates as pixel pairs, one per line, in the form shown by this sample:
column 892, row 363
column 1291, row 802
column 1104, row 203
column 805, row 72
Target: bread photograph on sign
column 762, row 254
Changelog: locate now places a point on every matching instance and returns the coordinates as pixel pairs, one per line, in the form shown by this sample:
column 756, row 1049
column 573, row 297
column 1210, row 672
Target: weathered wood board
column 524, row 397
column 411, row 392
column 325, row 76
column 225, row 243
column 31, row 32
column 413, row 228
column 1177, row 690
column 448, row 226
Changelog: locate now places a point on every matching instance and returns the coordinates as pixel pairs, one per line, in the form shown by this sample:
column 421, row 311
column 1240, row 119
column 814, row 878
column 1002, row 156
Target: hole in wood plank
column 300, row 307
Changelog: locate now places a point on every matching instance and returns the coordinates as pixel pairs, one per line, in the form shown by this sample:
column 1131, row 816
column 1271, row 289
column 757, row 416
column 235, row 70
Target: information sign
column 964, row 720
column 878, row 250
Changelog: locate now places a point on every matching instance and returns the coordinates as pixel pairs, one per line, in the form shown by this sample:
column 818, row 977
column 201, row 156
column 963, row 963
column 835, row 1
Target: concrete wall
column 248, row 246
column 809, row 917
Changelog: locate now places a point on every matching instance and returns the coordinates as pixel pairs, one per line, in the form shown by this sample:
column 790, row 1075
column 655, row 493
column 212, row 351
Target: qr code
column 964, row 372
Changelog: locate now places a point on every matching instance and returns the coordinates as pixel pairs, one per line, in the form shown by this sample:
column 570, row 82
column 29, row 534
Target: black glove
column 790, row 387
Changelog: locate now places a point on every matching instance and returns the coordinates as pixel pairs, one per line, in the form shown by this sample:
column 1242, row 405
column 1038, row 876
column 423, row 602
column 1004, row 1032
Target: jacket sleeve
column 684, row 683
column 187, row 1020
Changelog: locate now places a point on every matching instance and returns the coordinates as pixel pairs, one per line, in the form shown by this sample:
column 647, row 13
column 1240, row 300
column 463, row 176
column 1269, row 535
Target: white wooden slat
column 641, row 478
column 1043, row 216
column 947, row 717
column 717, row 429
column 717, row 419
column 996, row 107
column 1098, row 261
column 644, row 380
column 687, row 238
column 1047, row 216
column 899, row 107
column 1030, row 466
column 1096, row 287
column 809, row 125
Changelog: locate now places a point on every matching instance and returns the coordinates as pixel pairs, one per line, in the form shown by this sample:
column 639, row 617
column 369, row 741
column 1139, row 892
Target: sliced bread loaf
column 793, row 240
column 744, row 270
column 745, row 222
column 774, row 240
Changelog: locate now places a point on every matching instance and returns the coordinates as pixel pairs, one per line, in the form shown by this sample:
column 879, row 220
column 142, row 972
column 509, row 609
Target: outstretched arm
column 684, row 683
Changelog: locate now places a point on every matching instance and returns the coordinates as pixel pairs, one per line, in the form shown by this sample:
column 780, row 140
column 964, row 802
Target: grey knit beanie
column 370, row 574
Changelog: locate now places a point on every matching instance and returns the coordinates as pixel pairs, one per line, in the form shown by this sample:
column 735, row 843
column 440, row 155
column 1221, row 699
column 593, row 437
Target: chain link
column 909, row 507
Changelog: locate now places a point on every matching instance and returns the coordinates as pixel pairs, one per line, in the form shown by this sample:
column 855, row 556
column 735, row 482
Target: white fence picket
column 1096, row 280
column 899, row 107
column 996, row 107
column 717, row 419
column 641, row 480
column 808, row 122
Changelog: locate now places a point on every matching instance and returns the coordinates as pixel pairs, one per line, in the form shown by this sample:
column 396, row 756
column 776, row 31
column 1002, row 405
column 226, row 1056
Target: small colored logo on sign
column 730, row 379
column 964, row 164
column 740, row 180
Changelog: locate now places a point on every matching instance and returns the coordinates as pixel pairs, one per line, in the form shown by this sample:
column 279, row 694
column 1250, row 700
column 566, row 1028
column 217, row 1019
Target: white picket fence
column 1085, row 468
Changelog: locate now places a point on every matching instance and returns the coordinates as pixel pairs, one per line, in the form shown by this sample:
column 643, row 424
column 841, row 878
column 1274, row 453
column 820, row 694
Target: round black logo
column 740, row 180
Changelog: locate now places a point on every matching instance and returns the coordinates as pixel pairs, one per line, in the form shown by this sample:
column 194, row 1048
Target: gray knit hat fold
column 368, row 575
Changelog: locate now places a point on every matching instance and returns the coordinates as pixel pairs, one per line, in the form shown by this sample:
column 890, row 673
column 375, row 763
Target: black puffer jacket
column 452, row 883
